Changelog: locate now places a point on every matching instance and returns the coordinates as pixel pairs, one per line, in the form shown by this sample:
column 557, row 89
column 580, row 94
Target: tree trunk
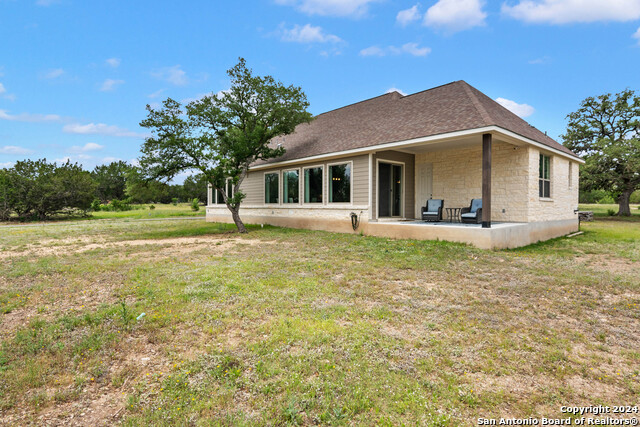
column 623, row 203
column 236, row 218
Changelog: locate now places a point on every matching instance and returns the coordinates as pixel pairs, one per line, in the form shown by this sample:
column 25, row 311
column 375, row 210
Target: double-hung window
column 340, row 183
column 544, row 180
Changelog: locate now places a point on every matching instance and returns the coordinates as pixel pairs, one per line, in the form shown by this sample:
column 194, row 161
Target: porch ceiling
column 449, row 144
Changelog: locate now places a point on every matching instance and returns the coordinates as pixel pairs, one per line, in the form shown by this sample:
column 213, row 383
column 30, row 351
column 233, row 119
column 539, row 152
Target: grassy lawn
column 184, row 322
column 139, row 212
column 160, row 211
column 603, row 210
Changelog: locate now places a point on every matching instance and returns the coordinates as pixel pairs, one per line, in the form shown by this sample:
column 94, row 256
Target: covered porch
column 455, row 171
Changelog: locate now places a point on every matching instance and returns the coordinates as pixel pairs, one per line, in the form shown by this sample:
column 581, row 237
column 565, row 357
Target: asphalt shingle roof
column 393, row 117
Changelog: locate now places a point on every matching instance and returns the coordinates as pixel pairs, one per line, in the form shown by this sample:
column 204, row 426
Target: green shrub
column 611, row 212
column 174, row 201
column 606, row 200
column 635, row 197
column 96, row 206
column 195, row 205
column 118, row 205
column 152, row 207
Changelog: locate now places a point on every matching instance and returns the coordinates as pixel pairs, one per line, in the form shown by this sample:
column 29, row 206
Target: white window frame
column 550, row 196
column 300, row 175
column 324, row 201
column 350, row 202
column 264, row 195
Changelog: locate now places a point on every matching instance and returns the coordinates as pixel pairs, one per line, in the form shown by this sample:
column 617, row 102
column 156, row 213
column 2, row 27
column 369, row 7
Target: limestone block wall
column 457, row 178
column 564, row 188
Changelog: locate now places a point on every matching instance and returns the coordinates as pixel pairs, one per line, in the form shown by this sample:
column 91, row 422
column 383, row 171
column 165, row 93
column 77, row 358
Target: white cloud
column 408, row 48
column 354, row 8
column 522, row 110
column 539, row 61
column 636, row 35
column 156, row 94
column 113, row 62
column 174, row 75
column 395, row 89
column 6, row 165
column 407, row 16
column 455, row 15
column 307, row 34
column 53, row 74
column 110, row 85
column 2, row 89
column 101, row 129
column 567, row 11
column 89, row 146
column 64, row 159
column 26, row 117
column 12, row 149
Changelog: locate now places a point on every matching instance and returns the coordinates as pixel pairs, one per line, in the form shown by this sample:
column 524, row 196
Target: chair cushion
column 430, row 213
column 469, row 215
column 476, row 204
column 433, row 204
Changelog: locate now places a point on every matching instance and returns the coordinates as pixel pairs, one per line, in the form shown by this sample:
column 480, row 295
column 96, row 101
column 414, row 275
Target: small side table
column 453, row 214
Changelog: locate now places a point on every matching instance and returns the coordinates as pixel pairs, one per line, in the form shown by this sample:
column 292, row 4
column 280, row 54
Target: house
column 383, row 158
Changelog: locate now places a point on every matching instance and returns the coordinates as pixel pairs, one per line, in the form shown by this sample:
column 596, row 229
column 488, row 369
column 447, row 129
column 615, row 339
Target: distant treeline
column 36, row 189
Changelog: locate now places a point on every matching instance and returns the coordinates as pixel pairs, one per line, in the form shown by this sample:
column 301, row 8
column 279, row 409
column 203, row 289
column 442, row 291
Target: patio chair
column 433, row 210
column 472, row 214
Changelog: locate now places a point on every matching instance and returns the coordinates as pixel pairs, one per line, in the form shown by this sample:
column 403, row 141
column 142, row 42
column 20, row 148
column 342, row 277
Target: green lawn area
column 187, row 323
column 160, row 211
column 603, row 210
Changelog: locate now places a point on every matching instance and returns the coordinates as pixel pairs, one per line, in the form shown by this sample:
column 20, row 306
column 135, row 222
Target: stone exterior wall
column 457, row 178
column 564, row 188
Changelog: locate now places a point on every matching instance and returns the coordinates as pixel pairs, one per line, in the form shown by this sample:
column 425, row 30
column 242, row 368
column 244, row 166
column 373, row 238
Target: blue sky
column 75, row 76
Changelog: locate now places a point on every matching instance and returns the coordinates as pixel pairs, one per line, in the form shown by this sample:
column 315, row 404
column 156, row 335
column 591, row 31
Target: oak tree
column 221, row 135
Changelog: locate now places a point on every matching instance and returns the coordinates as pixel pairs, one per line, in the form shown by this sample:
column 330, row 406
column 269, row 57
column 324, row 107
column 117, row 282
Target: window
column 340, row 183
column 290, row 186
column 271, row 187
column 219, row 198
column 545, row 176
column 313, row 185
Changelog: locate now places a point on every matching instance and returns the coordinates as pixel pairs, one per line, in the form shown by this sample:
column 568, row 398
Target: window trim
column 299, row 185
column 304, row 168
column 264, row 195
column 350, row 202
column 545, row 197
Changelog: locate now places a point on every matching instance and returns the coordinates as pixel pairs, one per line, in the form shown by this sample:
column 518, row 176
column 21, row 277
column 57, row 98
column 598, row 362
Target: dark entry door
column 389, row 190
column 384, row 189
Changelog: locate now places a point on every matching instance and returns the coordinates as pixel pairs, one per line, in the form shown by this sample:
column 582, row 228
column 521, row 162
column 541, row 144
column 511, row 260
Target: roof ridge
column 360, row 102
column 476, row 103
column 432, row 88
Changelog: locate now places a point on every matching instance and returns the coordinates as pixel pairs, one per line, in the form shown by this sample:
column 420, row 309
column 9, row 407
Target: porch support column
column 486, row 180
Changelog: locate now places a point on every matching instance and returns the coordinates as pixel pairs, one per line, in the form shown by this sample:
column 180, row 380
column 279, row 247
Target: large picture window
column 271, row 187
column 290, row 186
column 340, row 183
column 313, row 185
column 545, row 176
